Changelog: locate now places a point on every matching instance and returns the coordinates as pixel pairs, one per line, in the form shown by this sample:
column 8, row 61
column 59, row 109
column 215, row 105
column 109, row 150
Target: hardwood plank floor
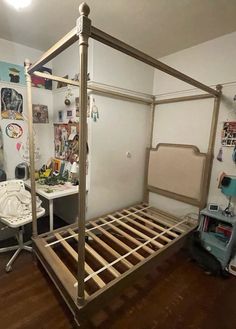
column 179, row 295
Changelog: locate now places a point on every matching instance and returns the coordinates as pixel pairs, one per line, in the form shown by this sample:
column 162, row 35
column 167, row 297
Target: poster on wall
column 13, row 130
column 40, row 113
column 12, row 73
column 228, row 135
column 41, row 82
column 11, row 104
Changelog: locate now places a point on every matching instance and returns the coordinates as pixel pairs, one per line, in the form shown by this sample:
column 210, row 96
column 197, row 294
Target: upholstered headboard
column 177, row 171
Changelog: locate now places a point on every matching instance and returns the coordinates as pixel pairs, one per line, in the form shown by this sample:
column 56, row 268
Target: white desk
column 53, row 192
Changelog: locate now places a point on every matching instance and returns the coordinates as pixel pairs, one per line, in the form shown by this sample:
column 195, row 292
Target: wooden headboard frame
column 177, row 171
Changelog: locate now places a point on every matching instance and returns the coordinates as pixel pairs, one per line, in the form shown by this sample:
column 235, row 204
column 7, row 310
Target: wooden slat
column 174, row 235
column 98, row 257
column 168, row 221
column 65, row 277
column 140, row 234
column 117, row 241
column 109, row 249
column 147, row 228
column 128, row 236
column 74, row 255
column 131, row 51
column 161, row 220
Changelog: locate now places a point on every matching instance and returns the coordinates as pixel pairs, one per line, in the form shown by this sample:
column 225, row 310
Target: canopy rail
column 121, row 46
column 182, row 99
column 107, row 39
column 101, row 89
column 55, row 50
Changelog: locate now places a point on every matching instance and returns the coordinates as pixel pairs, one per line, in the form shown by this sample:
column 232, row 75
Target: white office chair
column 15, row 212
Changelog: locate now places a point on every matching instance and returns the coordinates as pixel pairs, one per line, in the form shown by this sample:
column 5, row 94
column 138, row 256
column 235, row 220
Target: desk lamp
column 228, row 188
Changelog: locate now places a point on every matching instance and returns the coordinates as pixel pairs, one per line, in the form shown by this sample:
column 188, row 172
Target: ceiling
column 157, row 27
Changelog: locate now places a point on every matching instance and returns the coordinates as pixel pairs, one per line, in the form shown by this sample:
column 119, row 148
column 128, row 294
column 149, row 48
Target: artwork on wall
column 23, row 149
column 41, row 82
column 11, row 104
column 61, row 84
column 60, row 116
column 40, row 113
column 66, row 138
column 228, row 136
column 12, row 73
column 13, row 130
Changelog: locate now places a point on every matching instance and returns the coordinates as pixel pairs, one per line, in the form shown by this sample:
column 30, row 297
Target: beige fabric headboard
column 177, row 171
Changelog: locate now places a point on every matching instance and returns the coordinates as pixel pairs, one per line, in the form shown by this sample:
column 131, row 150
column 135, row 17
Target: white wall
column 115, row 180
column 212, row 62
column 114, row 68
column 15, row 53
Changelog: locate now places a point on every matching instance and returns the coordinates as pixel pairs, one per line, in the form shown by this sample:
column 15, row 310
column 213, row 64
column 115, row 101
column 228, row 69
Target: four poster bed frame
column 91, row 261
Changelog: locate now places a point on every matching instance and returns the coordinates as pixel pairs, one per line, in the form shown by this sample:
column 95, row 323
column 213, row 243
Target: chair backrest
column 12, row 185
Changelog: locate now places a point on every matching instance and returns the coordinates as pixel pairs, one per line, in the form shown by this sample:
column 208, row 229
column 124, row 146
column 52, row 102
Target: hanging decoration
column 11, row 104
column 94, row 112
column 68, row 96
column 234, row 155
column 13, row 130
column 220, row 155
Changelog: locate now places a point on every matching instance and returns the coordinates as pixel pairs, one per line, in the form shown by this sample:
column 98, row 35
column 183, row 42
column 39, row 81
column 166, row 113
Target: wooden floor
column 179, row 295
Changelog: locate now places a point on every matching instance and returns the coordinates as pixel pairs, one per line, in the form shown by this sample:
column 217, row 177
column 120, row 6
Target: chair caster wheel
column 8, row 269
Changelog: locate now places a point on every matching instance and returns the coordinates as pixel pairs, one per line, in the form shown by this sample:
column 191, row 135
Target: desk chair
column 15, row 212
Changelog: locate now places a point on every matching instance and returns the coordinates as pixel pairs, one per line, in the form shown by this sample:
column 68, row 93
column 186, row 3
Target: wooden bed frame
column 91, row 261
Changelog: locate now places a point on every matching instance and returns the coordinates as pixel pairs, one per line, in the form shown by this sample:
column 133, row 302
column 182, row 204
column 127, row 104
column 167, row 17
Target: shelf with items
column 218, row 234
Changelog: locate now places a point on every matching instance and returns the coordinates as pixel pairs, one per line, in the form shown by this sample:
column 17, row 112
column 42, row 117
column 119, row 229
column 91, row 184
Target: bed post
column 31, row 148
column 83, row 31
column 151, row 126
column 211, row 146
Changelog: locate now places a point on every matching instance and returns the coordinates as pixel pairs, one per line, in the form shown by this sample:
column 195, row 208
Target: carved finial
column 84, row 9
column 219, row 87
column 27, row 62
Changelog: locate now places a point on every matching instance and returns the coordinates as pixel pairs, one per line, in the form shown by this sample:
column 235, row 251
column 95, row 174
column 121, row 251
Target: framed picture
column 69, row 113
column 41, row 82
column 60, row 116
column 12, row 73
column 11, row 104
column 228, row 135
column 40, row 113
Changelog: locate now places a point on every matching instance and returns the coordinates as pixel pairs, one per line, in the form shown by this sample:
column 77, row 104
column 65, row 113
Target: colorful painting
column 11, row 104
column 12, row 73
column 40, row 113
column 228, row 135
column 66, row 138
column 13, row 130
column 41, row 82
